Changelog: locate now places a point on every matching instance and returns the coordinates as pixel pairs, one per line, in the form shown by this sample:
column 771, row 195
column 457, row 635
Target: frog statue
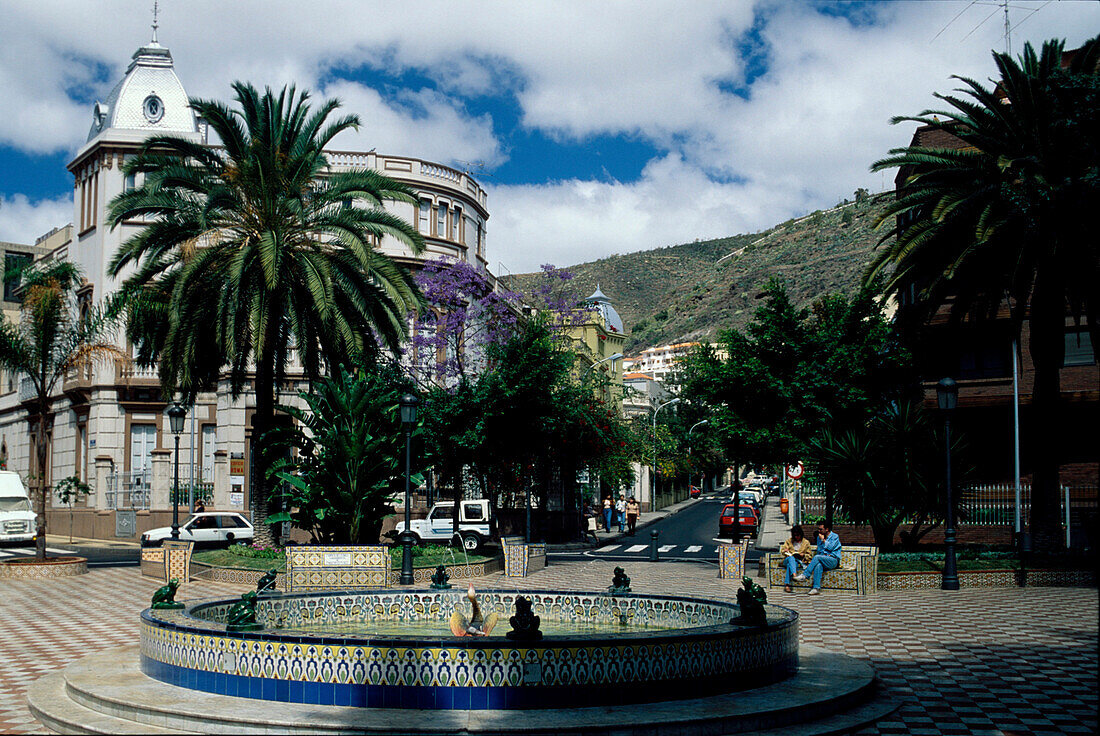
column 165, row 598
column 266, row 584
column 439, row 580
column 751, row 600
column 620, row 583
column 242, row 616
column 525, row 624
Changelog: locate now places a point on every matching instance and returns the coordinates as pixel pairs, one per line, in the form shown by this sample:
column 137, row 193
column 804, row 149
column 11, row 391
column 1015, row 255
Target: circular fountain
column 394, row 649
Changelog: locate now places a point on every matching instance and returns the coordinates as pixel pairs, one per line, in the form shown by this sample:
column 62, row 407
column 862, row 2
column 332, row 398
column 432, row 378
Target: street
column 687, row 536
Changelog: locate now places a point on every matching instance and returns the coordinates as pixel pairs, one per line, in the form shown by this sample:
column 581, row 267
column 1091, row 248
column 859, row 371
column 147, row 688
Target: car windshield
column 15, row 503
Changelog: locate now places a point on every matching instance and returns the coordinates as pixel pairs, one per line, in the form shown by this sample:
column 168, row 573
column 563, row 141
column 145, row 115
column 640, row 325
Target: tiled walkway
column 983, row 661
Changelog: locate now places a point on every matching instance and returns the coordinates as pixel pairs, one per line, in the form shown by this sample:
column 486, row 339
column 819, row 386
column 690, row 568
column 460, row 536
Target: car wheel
column 471, row 542
column 230, row 536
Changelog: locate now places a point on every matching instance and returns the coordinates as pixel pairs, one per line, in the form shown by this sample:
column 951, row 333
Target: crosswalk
column 697, row 550
column 26, row 551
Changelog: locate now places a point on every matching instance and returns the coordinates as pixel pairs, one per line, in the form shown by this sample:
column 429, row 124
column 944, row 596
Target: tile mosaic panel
column 731, row 560
column 314, row 567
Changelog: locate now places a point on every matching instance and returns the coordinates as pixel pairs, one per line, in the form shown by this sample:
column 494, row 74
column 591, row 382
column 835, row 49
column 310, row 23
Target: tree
column 51, row 340
column 70, row 490
column 1009, row 214
column 795, row 370
column 349, row 450
column 254, row 250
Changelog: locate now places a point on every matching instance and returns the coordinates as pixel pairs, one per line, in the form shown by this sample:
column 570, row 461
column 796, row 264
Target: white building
column 109, row 424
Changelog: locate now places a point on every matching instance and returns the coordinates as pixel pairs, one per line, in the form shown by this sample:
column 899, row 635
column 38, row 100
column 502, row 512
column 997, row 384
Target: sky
column 596, row 127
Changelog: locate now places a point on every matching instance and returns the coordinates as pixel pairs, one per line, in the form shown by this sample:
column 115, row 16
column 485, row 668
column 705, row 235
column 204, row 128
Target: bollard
column 653, row 554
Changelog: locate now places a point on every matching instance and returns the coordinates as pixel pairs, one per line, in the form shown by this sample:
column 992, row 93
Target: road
column 97, row 554
column 687, row 536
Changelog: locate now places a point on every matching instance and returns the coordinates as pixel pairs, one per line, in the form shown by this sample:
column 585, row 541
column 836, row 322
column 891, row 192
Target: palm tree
column 51, row 340
column 1010, row 214
column 255, row 249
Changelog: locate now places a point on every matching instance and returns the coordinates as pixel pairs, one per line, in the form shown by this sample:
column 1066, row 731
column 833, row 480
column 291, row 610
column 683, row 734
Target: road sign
column 794, row 472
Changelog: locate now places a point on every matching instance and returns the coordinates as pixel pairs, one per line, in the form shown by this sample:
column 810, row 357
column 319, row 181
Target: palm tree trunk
column 1047, row 347
column 40, row 447
column 262, row 420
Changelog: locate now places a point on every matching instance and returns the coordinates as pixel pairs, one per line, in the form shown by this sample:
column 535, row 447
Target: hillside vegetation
column 691, row 291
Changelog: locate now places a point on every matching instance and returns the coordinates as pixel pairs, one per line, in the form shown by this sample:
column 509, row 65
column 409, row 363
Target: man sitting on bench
column 827, row 556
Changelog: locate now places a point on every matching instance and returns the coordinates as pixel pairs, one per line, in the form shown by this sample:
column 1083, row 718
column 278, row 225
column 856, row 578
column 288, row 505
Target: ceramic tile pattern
column 858, row 571
column 731, row 560
column 1000, row 661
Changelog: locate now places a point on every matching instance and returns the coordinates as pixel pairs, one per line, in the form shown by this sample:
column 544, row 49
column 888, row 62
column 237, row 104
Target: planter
column 1006, row 578
column 28, row 568
column 784, row 506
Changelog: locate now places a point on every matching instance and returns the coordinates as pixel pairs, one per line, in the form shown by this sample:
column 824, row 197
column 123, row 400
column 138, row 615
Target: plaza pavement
column 980, row 661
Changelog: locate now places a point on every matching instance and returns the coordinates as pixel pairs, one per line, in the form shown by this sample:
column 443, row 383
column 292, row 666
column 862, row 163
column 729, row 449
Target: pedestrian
column 826, row 558
column 633, row 511
column 608, row 509
column 620, row 512
column 796, row 552
column 200, row 507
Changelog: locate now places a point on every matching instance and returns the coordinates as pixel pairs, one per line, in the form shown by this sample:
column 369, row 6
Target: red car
column 750, row 523
column 695, row 491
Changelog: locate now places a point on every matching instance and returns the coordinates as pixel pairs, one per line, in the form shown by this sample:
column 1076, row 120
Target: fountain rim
column 163, row 618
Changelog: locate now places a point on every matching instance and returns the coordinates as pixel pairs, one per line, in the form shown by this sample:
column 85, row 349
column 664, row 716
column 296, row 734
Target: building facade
column 109, row 426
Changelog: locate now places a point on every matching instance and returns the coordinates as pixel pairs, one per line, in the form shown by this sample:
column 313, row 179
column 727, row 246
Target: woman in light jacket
column 796, row 551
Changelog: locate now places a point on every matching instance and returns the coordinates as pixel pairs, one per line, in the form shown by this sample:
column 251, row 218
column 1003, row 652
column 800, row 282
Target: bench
column 522, row 558
column 350, row 567
column 858, row 571
column 731, row 560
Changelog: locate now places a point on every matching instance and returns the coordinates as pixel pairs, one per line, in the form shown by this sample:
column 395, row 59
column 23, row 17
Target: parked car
column 749, row 521
column 208, row 529
column 16, row 516
column 750, row 496
column 473, row 524
column 695, row 492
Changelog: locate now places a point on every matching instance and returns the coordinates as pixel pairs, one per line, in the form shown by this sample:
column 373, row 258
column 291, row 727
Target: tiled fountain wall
column 704, row 655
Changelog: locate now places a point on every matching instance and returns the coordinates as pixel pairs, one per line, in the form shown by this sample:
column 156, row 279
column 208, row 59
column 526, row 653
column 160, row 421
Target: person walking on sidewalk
column 633, row 510
column 608, row 509
column 826, row 558
column 620, row 512
column 796, row 552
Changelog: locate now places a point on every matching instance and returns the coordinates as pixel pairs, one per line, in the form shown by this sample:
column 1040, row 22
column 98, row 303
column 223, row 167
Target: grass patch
column 428, row 556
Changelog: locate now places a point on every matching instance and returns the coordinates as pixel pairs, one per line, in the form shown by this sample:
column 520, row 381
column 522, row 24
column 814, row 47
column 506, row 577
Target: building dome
column 603, row 305
column 149, row 99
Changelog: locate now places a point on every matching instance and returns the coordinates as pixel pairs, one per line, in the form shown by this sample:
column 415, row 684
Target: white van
column 16, row 517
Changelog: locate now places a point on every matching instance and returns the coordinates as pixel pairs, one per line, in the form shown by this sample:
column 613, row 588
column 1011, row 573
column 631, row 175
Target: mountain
column 690, row 291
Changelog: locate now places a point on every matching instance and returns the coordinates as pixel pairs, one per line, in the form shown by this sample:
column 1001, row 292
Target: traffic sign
column 794, row 472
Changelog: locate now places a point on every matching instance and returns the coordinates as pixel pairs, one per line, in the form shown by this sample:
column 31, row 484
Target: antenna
column 156, row 12
column 1008, row 30
column 479, row 164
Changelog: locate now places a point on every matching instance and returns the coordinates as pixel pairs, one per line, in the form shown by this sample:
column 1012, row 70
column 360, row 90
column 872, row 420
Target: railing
column 440, row 172
column 26, row 389
column 133, row 370
column 129, row 490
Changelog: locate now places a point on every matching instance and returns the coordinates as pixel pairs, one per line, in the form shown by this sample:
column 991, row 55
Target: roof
column 636, row 376
column 149, row 98
column 603, row 305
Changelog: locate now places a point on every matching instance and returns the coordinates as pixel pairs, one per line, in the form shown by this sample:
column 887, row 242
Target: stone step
column 107, row 693
column 49, row 702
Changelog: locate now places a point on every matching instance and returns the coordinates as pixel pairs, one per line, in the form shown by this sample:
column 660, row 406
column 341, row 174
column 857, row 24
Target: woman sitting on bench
column 827, row 557
column 796, row 552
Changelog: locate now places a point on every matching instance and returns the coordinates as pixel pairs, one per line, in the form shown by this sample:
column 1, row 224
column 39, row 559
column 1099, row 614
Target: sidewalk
column 62, row 540
column 774, row 528
column 647, row 518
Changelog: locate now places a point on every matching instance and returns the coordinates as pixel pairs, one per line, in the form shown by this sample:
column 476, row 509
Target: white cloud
column 23, row 221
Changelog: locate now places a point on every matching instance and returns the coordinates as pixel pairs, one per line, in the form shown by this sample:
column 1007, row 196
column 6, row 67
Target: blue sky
column 597, row 128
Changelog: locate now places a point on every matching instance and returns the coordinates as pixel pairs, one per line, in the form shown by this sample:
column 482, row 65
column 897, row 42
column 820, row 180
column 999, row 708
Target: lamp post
column 947, row 396
column 697, row 424
column 408, row 419
column 655, row 411
column 176, row 415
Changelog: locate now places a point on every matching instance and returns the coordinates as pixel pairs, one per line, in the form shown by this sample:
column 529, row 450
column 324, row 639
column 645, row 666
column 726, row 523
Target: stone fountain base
column 107, row 693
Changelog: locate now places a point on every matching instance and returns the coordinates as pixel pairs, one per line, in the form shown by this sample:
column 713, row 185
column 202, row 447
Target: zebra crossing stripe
column 693, row 548
column 609, row 548
column 666, row 547
column 637, row 548
column 6, row 554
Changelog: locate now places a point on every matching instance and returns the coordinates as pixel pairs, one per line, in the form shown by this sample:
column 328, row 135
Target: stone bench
column 858, row 571
column 351, row 567
column 522, row 558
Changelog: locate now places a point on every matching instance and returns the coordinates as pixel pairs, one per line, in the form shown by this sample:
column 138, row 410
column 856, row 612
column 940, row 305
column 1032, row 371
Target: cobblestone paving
column 989, row 661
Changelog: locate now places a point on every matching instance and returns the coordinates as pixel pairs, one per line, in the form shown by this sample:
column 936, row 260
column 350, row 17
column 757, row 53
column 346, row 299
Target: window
column 11, row 282
column 143, row 440
column 441, row 220
column 424, row 221
column 130, row 183
column 456, row 225
column 472, row 512
column 209, row 444
column 233, row 522
column 443, row 512
column 1078, row 347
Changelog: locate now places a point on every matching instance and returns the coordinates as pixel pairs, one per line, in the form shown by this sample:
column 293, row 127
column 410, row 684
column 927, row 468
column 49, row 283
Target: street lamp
column 407, row 538
column 947, row 396
column 612, row 358
column 697, row 424
column 176, row 414
column 653, row 490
